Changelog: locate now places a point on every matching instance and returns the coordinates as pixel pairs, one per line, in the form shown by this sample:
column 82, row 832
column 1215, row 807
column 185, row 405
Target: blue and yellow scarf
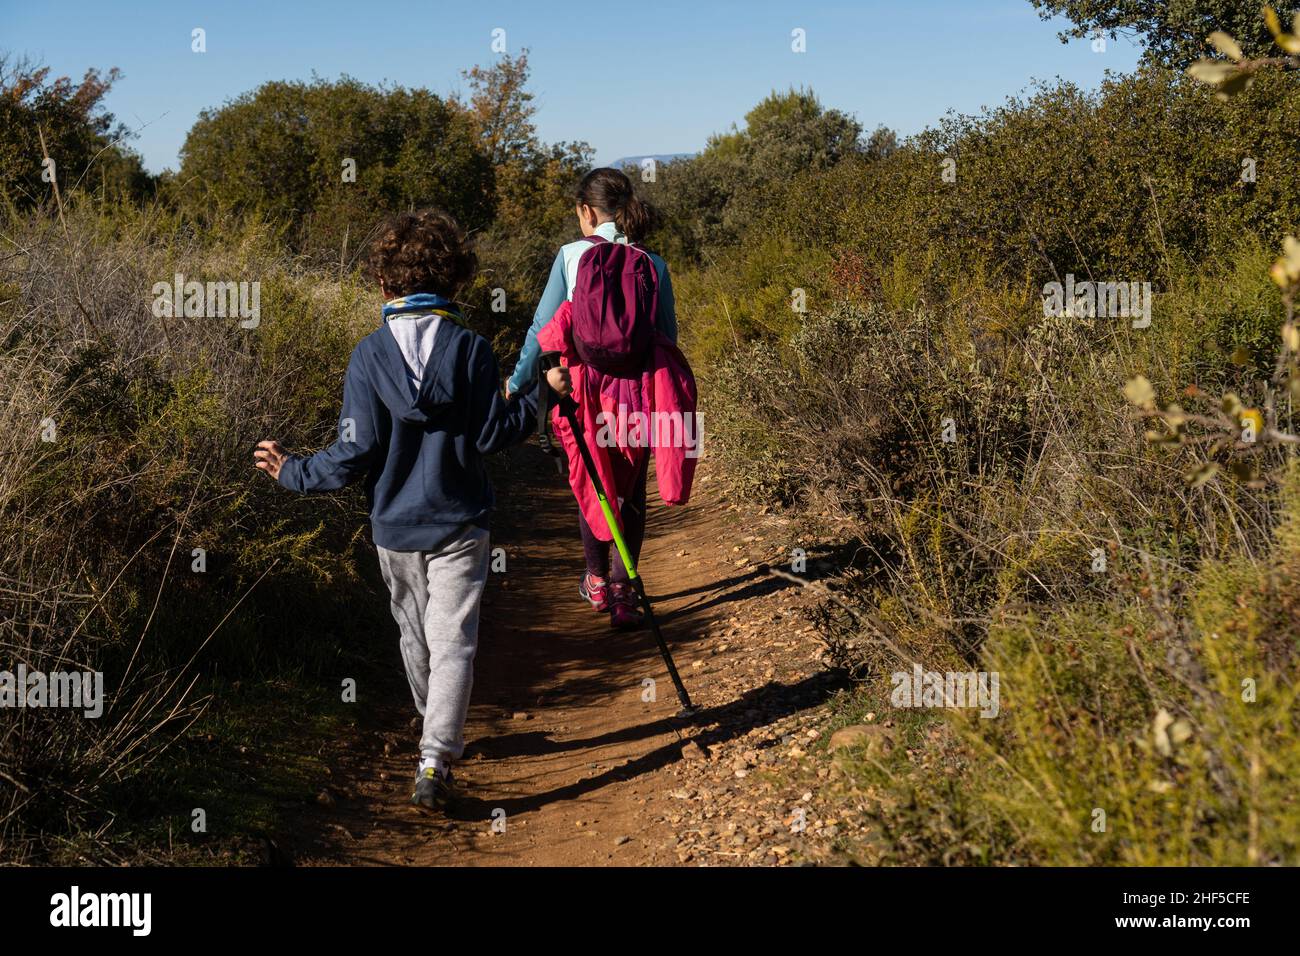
column 422, row 303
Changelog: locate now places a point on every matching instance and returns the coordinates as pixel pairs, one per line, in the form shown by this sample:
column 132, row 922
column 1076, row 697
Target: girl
column 607, row 207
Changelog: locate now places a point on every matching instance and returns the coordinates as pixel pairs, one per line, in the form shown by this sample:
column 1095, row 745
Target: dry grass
column 152, row 420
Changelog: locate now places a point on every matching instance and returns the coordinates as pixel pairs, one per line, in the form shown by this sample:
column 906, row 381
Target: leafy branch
column 1238, row 73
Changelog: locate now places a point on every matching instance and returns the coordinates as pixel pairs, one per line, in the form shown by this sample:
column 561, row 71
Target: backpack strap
column 595, row 241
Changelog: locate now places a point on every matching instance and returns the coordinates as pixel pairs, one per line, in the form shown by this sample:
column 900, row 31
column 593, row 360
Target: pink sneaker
column 595, row 590
column 624, row 607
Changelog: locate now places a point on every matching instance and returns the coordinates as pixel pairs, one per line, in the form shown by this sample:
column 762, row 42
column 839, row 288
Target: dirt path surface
column 569, row 761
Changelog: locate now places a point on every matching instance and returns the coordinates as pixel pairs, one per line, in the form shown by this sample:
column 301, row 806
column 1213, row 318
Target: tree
column 881, row 144
column 533, row 212
column 1173, row 31
column 80, row 135
column 333, row 156
column 787, row 133
column 713, row 197
column 502, row 108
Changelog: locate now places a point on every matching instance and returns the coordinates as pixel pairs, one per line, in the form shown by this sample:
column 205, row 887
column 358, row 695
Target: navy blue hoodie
column 420, row 453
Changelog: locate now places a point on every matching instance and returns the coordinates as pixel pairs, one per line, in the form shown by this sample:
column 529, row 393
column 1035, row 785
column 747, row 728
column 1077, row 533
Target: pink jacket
column 624, row 420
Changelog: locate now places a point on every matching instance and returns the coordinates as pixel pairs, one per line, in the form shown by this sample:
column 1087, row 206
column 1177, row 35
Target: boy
column 421, row 407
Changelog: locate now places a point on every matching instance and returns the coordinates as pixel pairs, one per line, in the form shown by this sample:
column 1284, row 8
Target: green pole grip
column 618, row 536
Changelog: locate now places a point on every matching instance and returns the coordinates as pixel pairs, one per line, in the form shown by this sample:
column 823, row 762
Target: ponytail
column 610, row 191
column 636, row 219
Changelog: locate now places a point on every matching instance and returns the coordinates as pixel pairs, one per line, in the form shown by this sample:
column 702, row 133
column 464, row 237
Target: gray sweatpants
column 435, row 599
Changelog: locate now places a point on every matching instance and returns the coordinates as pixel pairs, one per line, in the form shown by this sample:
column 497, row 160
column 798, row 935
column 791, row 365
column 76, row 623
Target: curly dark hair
column 424, row 251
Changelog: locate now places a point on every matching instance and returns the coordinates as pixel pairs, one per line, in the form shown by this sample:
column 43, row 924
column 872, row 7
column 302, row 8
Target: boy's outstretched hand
column 559, row 380
column 270, row 456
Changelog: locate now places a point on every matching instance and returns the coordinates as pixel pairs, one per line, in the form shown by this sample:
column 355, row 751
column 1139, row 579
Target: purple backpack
column 615, row 301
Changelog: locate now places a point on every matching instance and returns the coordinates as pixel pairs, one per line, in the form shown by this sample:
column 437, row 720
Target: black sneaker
column 433, row 790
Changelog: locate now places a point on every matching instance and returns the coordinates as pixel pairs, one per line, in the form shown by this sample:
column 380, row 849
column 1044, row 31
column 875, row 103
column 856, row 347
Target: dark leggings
column 597, row 552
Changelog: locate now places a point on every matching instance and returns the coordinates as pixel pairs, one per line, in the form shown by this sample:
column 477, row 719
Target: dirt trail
column 563, row 748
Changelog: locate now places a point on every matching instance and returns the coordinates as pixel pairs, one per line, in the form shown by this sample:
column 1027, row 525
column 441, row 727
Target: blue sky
column 636, row 78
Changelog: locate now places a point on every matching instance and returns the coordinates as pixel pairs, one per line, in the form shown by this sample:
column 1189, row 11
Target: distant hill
column 657, row 157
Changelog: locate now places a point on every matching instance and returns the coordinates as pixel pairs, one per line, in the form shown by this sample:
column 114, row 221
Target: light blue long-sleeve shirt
column 559, row 287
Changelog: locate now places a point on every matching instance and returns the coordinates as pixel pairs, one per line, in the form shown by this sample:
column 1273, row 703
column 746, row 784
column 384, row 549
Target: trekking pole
column 568, row 408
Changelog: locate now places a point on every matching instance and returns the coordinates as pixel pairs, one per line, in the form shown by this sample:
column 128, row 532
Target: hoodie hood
column 394, row 363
